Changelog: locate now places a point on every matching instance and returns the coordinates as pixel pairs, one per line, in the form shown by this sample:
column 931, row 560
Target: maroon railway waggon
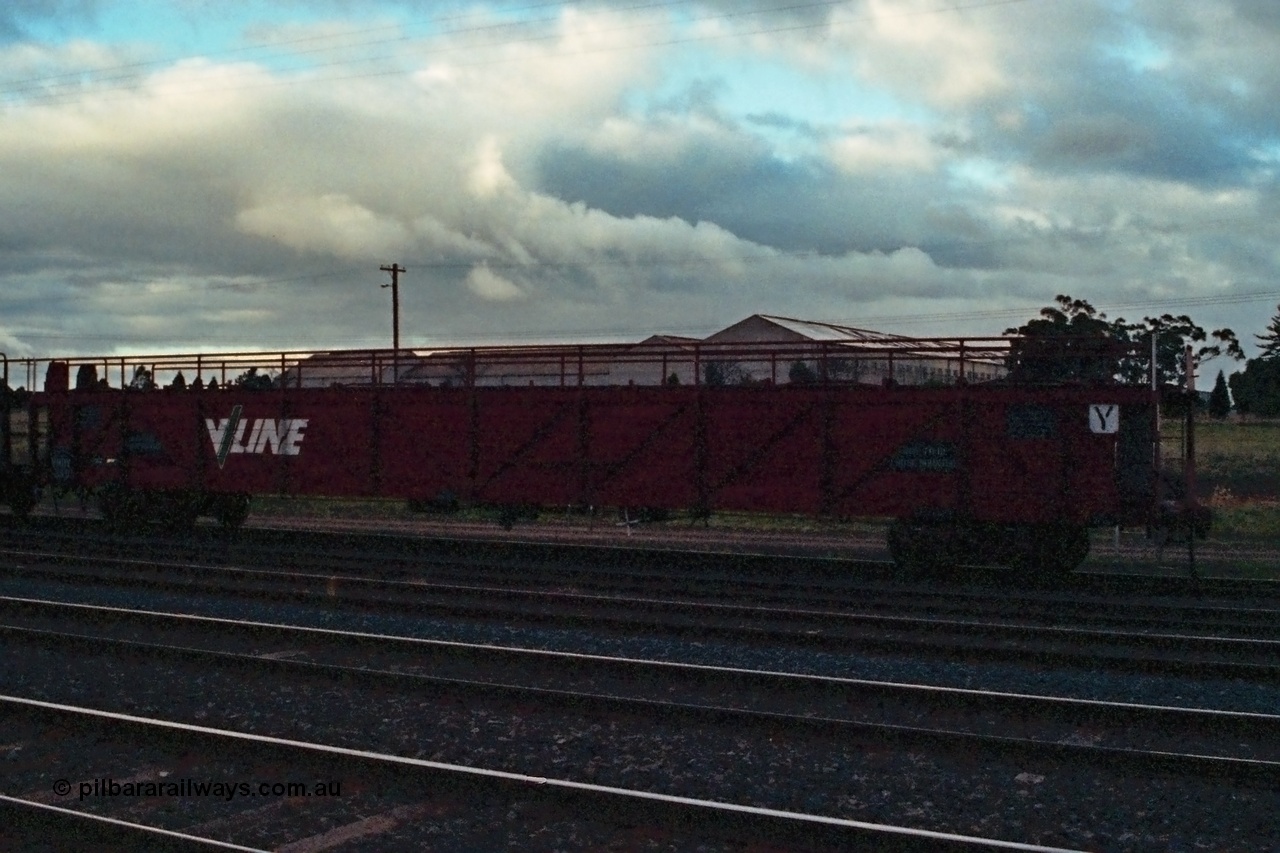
column 971, row 464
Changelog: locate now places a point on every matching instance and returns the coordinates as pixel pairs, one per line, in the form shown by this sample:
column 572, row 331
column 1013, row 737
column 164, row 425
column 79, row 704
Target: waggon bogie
column 178, row 509
column 128, row 510
column 1047, row 550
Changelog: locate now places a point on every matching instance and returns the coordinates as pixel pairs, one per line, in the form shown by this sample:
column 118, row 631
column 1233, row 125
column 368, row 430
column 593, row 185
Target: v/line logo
column 267, row 435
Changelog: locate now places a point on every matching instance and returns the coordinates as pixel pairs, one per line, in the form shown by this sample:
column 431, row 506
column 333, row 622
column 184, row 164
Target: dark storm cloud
column 796, row 206
column 703, row 169
column 1220, row 59
column 1178, row 147
column 1179, row 91
column 781, row 121
column 954, row 253
column 1109, row 117
column 1264, row 13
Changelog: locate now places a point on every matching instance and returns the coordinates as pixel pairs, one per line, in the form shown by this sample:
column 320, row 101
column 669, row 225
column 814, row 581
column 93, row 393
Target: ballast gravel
column 1219, row 694
column 970, row 794
column 978, row 795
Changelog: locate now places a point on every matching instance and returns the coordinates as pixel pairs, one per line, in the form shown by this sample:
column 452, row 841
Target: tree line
column 1072, row 340
column 1256, row 389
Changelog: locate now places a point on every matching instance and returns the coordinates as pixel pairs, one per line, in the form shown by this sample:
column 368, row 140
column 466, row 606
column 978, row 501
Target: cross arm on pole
column 395, row 270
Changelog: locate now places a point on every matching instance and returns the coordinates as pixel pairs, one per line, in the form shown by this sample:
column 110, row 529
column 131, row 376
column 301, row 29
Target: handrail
column 895, row 359
column 920, row 346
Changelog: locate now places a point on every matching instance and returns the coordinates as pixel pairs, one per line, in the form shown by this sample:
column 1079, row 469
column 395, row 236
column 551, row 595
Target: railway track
column 585, row 812
column 273, row 666
column 758, row 566
column 828, row 706
column 1183, row 639
column 899, row 753
column 1199, row 613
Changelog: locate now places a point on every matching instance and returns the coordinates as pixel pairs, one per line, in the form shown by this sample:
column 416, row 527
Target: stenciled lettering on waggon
column 237, row 434
column 1104, row 418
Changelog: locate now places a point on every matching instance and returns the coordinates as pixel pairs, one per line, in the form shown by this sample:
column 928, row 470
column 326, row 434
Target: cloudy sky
column 197, row 175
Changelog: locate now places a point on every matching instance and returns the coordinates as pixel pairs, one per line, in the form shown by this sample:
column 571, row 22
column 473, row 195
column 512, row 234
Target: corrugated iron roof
column 819, row 331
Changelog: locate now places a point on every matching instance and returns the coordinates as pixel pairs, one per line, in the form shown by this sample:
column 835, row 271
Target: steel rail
column 732, row 819
column 400, row 584
column 84, row 828
column 1127, row 713
column 833, row 552
column 549, row 546
column 768, row 591
column 811, row 628
column 718, row 547
column 816, row 574
column 772, row 721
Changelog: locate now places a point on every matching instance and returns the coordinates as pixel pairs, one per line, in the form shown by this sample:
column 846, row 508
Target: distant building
column 657, row 360
column 653, row 361
column 515, row 366
column 348, row 369
column 847, row 354
column 759, row 348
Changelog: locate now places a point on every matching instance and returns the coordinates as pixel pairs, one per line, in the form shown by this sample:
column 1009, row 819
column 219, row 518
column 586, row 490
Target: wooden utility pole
column 1189, row 461
column 395, row 270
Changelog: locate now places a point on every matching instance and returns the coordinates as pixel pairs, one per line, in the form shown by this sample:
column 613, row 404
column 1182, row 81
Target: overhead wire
column 266, row 47
column 15, row 95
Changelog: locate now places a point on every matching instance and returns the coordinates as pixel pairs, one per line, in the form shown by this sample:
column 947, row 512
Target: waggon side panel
column 1036, row 459
column 644, row 447
column 1018, row 455
column 978, row 452
column 764, row 448
column 527, row 446
column 425, row 440
column 896, row 452
column 335, row 453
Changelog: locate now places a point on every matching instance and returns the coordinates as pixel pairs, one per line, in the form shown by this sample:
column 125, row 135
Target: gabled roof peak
column 829, row 331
